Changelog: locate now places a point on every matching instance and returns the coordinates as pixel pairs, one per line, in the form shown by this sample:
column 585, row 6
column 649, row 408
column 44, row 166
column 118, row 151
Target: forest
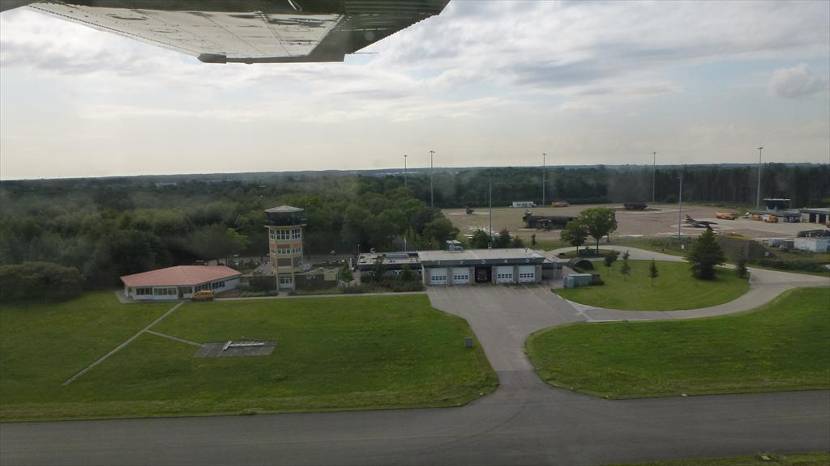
column 108, row 227
column 805, row 184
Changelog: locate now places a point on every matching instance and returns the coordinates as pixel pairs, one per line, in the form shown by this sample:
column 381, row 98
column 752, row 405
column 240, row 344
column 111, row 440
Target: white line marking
column 171, row 337
column 122, row 345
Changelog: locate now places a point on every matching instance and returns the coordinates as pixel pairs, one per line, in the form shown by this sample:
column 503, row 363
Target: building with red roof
column 179, row 282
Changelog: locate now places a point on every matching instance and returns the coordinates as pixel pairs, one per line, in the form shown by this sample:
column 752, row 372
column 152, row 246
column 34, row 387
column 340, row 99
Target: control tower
column 285, row 243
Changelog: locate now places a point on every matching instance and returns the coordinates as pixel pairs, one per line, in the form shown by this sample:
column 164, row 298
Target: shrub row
column 39, row 280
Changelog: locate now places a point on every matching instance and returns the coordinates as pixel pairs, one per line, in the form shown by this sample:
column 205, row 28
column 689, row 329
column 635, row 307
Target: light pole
column 405, row 184
column 680, row 206
column 654, row 177
column 490, row 202
column 431, row 194
column 544, row 157
column 758, row 189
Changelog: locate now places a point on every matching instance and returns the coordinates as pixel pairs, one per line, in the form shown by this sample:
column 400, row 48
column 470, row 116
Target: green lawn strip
column 332, row 354
column 761, row 459
column 782, row 345
column 43, row 344
column 674, row 288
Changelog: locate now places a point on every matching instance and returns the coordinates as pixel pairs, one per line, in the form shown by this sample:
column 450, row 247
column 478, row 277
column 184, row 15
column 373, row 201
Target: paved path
column 524, row 422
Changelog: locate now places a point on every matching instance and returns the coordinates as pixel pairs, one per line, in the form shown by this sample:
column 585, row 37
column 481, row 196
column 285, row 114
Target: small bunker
column 576, row 280
column 236, row 349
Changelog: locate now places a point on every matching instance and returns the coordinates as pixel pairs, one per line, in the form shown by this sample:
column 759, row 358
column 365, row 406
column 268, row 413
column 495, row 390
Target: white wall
column 230, row 284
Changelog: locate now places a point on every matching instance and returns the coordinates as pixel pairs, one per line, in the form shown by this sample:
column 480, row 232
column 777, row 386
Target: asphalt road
column 525, row 422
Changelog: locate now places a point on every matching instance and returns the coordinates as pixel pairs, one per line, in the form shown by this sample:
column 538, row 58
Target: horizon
column 421, row 170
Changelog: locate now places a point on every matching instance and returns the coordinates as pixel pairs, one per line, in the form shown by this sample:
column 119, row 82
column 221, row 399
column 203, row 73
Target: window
column 296, row 233
column 219, row 284
column 165, row 291
column 460, row 277
column 143, row 291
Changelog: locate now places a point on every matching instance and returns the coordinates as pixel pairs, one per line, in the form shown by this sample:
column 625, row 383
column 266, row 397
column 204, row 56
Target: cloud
column 485, row 78
column 795, row 82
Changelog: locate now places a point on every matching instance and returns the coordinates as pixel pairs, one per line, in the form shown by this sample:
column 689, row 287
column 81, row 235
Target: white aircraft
column 246, row 31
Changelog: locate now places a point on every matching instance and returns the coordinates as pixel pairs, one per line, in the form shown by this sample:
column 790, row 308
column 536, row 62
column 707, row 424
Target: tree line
column 106, row 228
column 805, row 184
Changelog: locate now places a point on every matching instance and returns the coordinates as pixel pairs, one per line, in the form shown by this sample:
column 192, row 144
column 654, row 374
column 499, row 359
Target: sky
column 486, row 83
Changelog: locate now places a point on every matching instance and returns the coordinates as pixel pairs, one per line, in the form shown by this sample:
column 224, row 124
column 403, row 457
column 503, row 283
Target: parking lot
column 658, row 220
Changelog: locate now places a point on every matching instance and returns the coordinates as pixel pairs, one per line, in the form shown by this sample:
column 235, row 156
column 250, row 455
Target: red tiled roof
column 180, row 275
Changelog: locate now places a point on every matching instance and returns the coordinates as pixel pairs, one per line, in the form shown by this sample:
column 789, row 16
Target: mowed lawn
column 332, row 354
column 794, row 459
column 780, row 346
column 673, row 289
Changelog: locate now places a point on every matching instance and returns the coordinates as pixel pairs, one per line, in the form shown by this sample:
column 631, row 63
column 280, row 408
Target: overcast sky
column 485, row 83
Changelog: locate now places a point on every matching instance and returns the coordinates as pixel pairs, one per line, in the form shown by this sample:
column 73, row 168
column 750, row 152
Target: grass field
column 796, row 459
column 780, row 346
column 673, row 289
column 332, row 354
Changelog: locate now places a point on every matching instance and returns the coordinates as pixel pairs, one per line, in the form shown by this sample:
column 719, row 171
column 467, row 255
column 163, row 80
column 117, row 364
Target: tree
column 216, row 242
column 610, row 258
column 574, row 234
column 517, row 242
column 533, row 240
column 480, row 240
column 502, row 240
column 626, row 255
column 704, row 255
column 379, row 269
column 346, row 275
column 407, row 275
column 626, row 268
column 652, row 271
column 599, row 221
column 39, row 280
column 440, row 230
column 740, row 268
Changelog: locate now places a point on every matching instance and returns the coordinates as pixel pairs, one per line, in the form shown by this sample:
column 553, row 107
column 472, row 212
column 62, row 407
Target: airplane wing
column 248, row 31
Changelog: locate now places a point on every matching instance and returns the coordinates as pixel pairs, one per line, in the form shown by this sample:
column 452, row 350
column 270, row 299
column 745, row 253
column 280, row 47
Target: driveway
column 525, row 422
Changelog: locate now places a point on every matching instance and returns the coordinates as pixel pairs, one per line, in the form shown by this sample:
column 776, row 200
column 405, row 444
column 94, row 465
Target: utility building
column 285, row 243
column 501, row 266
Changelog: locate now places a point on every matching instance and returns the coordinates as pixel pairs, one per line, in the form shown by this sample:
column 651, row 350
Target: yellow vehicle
column 202, row 295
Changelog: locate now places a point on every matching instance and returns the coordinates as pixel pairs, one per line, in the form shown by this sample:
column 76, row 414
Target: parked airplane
column 246, row 31
column 699, row 223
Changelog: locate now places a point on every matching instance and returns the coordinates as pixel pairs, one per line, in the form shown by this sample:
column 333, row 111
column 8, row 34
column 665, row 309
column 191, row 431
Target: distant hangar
column 468, row 267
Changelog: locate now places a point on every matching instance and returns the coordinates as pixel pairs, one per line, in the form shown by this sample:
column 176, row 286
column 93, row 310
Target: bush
column 401, row 286
column 43, row 280
column 797, row 265
column 740, row 268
